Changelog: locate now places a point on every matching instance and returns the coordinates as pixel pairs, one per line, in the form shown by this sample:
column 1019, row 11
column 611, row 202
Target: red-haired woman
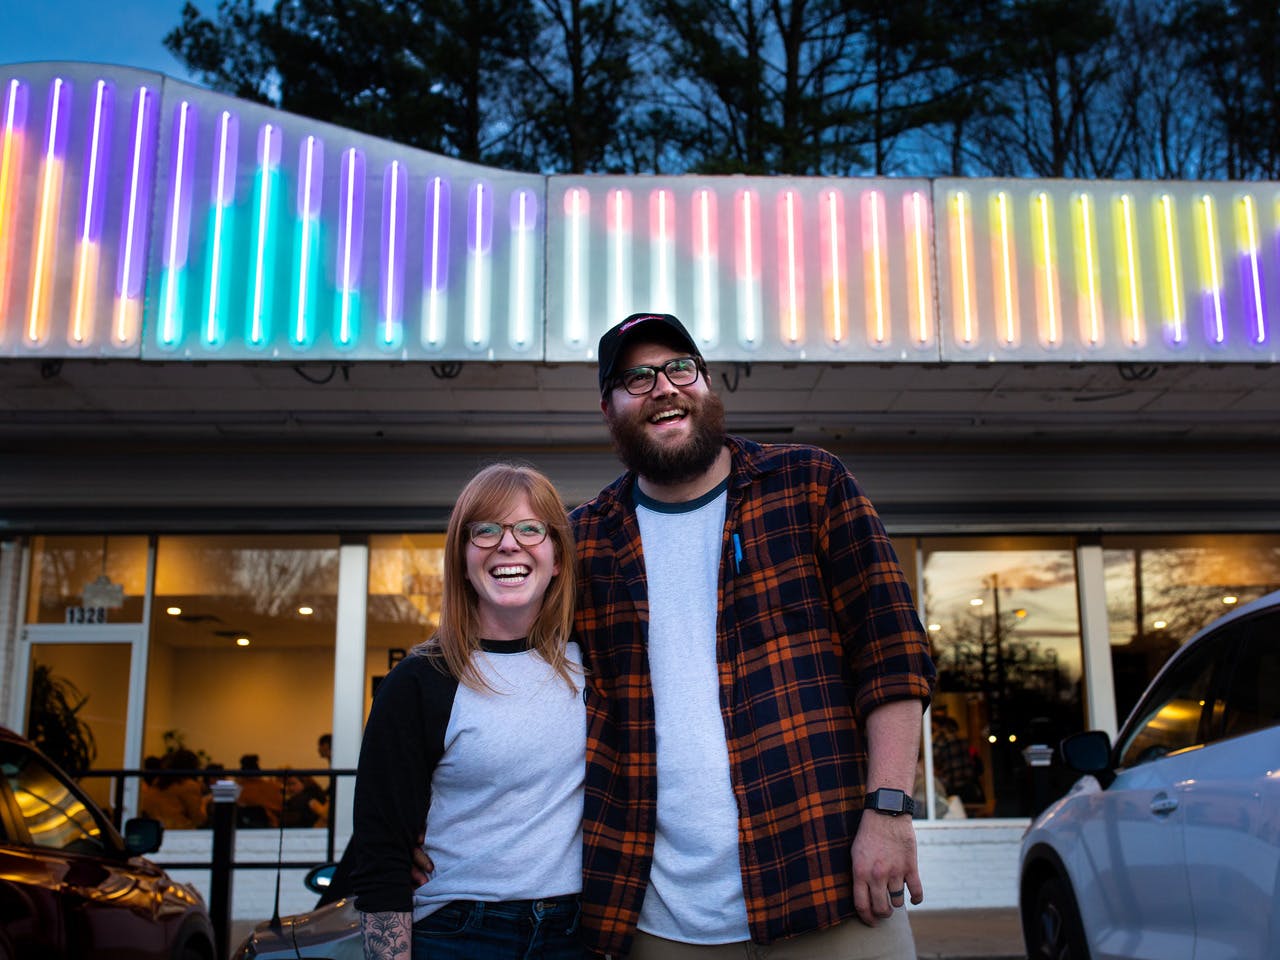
column 480, row 733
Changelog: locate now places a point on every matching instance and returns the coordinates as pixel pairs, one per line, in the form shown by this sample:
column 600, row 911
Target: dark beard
column 664, row 464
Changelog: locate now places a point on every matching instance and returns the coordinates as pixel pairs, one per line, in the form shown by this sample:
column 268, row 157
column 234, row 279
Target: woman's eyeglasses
column 488, row 533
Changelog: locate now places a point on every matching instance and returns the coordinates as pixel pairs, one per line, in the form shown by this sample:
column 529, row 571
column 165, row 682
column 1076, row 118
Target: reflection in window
column 55, row 816
column 1178, row 714
column 62, row 567
column 1002, row 617
column 1162, row 590
column 405, row 585
column 241, row 652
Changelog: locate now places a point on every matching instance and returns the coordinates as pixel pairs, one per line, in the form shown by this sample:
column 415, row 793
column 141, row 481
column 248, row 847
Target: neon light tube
column 12, row 148
column 350, row 245
column 619, row 232
column 1171, row 281
column 790, row 265
column 835, row 282
column 1210, row 272
column 265, row 233
column 44, row 258
column 435, row 263
column 874, row 267
column 130, row 273
column 84, row 294
column 395, row 207
column 748, row 262
column 1046, row 269
column 577, row 210
column 1247, row 231
column 178, row 225
column 226, row 146
column 662, row 251
column 915, row 216
column 1090, row 310
column 479, row 257
column 307, row 238
column 524, row 223
column 706, row 271
column 1004, row 266
column 1127, row 272
column 962, row 267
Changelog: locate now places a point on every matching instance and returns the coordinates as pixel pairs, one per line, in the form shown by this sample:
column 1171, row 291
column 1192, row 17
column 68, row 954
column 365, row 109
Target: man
column 756, row 671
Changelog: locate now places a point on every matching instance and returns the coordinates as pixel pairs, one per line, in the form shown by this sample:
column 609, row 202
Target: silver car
column 1169, row 846
column 331, row 930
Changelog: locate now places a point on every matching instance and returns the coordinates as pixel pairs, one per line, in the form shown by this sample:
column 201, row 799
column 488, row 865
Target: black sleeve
column 403, row 742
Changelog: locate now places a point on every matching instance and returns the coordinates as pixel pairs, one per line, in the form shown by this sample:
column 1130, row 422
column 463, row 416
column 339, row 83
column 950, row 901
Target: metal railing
column 222, row 821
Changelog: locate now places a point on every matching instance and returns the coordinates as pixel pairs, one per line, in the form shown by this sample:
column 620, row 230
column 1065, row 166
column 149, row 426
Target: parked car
column 331, row 930
column 71, row 888
column 1168, row 847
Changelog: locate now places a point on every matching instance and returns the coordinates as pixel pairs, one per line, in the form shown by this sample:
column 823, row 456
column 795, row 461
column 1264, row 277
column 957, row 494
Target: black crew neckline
column 642, row 499
column 505, row 646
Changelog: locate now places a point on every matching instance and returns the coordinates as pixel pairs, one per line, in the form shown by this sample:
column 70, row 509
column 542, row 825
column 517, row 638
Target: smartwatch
column 890, row 802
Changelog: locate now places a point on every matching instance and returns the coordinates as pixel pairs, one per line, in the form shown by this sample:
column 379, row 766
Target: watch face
column 887, row 800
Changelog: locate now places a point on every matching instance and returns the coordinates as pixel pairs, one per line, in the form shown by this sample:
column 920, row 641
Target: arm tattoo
column 387, row 936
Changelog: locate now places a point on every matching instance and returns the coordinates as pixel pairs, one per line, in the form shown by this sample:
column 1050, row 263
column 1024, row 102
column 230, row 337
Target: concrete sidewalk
column 974, row 934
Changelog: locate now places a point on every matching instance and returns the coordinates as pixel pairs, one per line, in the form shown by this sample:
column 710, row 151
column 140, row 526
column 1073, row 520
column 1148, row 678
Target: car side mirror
column 1088, row 752
column 319, row 878
column 142, row 835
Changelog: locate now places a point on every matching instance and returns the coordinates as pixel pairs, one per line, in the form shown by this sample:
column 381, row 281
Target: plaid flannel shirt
column 816, row 629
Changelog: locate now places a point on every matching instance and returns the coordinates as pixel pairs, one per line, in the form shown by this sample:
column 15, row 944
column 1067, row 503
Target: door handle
column 1162, row 804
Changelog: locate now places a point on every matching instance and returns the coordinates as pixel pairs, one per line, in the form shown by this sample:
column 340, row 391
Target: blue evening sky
column 125, row 32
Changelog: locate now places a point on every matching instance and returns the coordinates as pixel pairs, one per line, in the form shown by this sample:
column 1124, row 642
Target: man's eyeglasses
column 638, row 381
column 488, row 533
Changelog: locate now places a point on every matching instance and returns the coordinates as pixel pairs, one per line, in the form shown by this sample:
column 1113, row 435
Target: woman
column 480, row 733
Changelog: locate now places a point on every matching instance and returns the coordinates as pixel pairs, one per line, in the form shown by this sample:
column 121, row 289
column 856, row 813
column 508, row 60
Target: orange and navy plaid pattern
column 816, row 629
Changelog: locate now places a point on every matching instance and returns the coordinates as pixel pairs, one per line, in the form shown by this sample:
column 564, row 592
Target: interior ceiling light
column 1228, row 599
column 242, row 641
column 173, row 611
column 306, row 611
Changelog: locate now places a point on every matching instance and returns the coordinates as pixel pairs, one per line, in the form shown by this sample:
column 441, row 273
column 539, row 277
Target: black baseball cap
column 660, row 326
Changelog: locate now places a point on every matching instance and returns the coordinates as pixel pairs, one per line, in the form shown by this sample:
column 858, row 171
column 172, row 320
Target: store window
column 240, row 669
column 87, row 580
column 1004, row 625
column 1162, row 589
column 404, row 600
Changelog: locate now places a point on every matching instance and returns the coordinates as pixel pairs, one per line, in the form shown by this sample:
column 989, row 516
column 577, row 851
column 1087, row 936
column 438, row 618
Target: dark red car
column 71, row 887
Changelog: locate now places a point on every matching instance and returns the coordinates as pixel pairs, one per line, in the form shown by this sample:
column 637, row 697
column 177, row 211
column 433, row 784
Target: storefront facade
column 248, row 368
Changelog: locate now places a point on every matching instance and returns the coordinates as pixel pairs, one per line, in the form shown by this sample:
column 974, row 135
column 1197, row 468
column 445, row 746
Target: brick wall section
column 953, row 856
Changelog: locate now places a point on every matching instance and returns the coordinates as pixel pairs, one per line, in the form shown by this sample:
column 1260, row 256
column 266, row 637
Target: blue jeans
column 506, row 930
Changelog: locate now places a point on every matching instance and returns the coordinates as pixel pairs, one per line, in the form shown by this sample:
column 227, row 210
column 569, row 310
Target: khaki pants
column 888, row 940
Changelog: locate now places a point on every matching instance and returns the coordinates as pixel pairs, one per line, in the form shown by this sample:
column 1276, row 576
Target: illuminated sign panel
column 1117, row 271
column 147, row 218
column 763, row 268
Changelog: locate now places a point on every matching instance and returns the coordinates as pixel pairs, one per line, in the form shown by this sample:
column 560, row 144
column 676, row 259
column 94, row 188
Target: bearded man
column 756, row 683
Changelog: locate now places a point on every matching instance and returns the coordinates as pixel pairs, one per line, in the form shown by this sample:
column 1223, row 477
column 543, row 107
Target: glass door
column 81, row 659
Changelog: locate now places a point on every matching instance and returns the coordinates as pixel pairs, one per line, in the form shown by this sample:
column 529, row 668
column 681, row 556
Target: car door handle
column 1162, row 804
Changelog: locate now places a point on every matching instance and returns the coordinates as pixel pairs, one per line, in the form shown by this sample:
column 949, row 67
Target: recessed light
column 992, row 738
column 1230, row 599
column 173, row 611
column 976, row 602
column 306, row 611
column 242, row 641
column 935, row 627
column 1160, row 624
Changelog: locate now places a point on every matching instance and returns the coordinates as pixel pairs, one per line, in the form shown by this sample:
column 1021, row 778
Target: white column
column 349, row 673
column 1100, row 690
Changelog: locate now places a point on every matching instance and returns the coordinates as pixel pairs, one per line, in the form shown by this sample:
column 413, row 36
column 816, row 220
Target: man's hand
column 422, row 867
column 884, row 864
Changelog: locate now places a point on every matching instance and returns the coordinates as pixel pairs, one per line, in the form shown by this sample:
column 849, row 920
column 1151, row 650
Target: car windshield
column 56, row 816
